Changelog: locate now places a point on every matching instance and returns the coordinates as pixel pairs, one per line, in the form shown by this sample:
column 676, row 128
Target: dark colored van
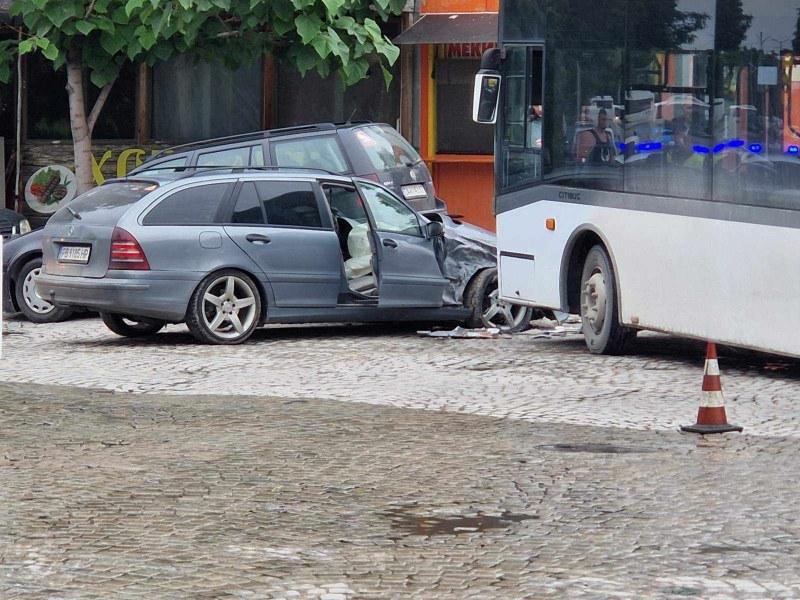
column 372, row 150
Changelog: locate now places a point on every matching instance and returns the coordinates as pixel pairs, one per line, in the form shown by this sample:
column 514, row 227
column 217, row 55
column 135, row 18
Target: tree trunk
column 81, row 135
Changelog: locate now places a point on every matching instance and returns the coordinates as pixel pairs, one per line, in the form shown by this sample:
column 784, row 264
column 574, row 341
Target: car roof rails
column 197, row 170
column 243, row 137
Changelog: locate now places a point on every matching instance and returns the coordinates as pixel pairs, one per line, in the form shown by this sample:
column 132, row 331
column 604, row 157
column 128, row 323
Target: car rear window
column 106, row 197
column 198, row 205
column 386, row 149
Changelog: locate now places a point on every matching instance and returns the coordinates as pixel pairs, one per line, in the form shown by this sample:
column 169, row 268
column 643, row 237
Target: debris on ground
column 545, row 328
column 462, row 333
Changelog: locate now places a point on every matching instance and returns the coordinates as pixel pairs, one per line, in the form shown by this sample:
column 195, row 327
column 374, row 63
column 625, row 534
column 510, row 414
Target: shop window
column 194, row 99
column 367, row 100
column 48, row 103
column 456, row 132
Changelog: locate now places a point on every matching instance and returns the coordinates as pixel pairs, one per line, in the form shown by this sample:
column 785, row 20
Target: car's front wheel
column 482, row 297
column 224, row 309
column 132, row 327
column 35, row 308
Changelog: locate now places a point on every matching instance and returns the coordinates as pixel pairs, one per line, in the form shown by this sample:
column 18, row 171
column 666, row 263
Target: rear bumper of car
column 144, row 296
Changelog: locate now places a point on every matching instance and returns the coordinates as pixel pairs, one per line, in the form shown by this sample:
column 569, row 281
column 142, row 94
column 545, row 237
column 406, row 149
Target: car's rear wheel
column 482, row 297
column 224, row 309
column 35, row 308
column 132, row 327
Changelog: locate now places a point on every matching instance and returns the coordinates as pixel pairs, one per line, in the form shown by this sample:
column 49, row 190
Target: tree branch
column 89, row 10
column 98, row 106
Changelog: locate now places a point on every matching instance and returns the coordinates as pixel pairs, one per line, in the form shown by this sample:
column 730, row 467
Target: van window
column 386, row 149
column 105, row 198
column 312, row 153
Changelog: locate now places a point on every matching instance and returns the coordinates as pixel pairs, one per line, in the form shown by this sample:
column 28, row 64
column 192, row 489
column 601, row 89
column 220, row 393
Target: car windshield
column 387, row 150
column 108, row 196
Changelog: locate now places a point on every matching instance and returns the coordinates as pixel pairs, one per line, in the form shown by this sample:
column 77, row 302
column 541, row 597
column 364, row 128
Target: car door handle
column 257, row 238
column 390, row 243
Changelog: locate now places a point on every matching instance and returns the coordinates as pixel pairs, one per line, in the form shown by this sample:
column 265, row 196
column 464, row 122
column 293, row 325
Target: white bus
column 689, row 221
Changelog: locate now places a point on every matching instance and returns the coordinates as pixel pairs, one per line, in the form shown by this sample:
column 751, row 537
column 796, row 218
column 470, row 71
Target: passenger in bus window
column 535, row 126
column 596, row 145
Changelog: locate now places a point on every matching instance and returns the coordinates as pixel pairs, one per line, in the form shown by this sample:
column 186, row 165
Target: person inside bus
column 596, row 145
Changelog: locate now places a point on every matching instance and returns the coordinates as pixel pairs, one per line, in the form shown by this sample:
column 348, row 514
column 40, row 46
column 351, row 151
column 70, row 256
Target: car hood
column 468, row 249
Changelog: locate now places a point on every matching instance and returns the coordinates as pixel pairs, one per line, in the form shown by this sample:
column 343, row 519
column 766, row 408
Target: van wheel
column 132, row 327
column 600, row 306
column 482, row 297
column 224, row 309
column 35, row 308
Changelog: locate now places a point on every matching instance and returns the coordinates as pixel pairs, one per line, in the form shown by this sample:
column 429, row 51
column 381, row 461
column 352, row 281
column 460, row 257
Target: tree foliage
column 732, row 25
column 329, row 36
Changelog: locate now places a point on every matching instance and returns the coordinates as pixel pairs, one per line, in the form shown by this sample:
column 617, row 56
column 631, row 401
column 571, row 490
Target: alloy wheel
column 229, row 307
column 501, row 314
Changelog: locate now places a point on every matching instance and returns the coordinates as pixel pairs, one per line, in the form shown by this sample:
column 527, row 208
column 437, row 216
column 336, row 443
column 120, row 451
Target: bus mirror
column 490, row 60
column 485, row 96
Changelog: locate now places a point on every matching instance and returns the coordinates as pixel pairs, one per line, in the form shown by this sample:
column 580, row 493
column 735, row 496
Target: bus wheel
column 600, row 306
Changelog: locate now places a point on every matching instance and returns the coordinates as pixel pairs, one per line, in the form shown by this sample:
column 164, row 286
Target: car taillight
column 372, row 176
column 126, row 253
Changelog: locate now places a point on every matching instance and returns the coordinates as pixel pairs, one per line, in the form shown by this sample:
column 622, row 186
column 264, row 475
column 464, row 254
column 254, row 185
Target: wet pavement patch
column 412, row 523
column 594, row 448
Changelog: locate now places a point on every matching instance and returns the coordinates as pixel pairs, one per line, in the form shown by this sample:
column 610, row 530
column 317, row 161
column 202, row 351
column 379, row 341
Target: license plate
column 414, row 191
column 74, row 254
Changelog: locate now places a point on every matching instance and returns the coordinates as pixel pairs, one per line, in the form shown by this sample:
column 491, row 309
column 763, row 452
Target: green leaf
column 85, row 27
column 321, row 44
column 308, row 27
column 133, row 5
column 387, row 77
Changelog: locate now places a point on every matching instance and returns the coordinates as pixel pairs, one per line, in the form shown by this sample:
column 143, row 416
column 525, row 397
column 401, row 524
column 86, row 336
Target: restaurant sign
column 465, row 50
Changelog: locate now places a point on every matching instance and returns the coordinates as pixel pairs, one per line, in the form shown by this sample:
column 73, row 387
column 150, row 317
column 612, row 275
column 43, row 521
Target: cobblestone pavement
column 524, row 377
column 292, row 467
column 118, row 495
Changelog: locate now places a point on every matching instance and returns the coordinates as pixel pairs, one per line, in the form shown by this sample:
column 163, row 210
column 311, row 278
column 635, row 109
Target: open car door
column 409, row 274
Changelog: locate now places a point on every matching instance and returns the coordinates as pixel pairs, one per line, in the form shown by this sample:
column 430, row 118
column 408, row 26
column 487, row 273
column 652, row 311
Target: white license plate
column 74, row 254
column 414, row 191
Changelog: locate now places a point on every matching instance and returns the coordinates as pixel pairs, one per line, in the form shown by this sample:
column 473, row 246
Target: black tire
column 132, row 327
column 479, row 298
column 600, row 306
column 201, row 313
column 35, row 308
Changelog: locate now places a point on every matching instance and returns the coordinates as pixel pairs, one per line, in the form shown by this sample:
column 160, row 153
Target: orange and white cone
column 711, row 417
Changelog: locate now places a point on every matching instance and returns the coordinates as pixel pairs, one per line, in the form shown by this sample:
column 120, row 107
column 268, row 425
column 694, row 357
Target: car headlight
column 23, row 227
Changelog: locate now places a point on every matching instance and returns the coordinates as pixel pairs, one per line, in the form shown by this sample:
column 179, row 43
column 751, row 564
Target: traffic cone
column 711, row 416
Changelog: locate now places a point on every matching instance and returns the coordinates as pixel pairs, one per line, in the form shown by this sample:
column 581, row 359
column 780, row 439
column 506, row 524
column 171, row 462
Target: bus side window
column 523, row 118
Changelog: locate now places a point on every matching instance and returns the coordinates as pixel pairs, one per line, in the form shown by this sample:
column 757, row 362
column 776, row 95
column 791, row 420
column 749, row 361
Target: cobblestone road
column 301, row 472
column 553, row 381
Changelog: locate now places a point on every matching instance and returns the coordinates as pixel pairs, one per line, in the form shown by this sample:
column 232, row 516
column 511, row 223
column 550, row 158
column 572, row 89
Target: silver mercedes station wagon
column 228, row 250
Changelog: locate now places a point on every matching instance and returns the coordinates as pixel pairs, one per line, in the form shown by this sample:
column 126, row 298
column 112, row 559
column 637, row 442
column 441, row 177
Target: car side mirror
column 435, row 229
